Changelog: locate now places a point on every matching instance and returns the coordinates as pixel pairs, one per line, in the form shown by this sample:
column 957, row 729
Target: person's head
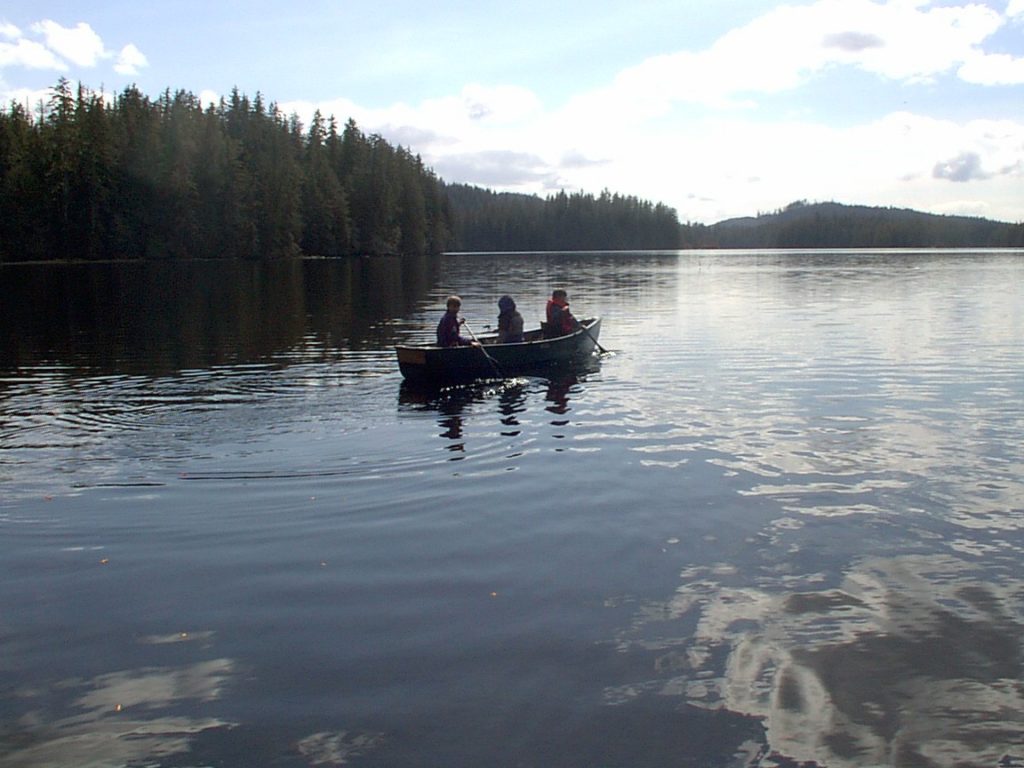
column 453, row 304
column 559, row 294
column 505, row 304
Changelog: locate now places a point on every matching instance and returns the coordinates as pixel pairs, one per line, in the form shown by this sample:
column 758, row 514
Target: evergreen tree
column 324, row 207
column 136, row 128
column 23, row 234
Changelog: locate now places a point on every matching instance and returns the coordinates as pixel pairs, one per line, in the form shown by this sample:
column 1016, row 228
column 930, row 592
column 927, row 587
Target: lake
column 780, row 523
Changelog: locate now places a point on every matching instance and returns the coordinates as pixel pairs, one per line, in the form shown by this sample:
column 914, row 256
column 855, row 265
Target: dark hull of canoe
column 444, row 364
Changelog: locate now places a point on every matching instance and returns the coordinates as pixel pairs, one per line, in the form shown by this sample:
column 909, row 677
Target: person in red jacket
column 560, row 319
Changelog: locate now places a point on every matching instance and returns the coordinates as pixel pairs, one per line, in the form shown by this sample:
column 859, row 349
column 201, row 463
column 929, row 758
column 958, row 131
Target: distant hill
column 833, row 225
column 505, row 221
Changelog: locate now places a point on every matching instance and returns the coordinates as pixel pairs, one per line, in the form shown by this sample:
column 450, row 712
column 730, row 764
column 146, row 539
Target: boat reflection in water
column 514, row 397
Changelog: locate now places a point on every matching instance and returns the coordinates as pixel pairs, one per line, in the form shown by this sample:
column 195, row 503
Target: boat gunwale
column 491, row 339
column 498, row 360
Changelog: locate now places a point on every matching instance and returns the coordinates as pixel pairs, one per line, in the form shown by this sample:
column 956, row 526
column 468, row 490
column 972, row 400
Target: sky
column 723, row 109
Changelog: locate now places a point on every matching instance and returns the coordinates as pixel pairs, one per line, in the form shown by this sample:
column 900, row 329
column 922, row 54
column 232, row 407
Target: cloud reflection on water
column 335, row 749
column 909, row 656
column 117, row 719
column 130, row 717
column 912, row 660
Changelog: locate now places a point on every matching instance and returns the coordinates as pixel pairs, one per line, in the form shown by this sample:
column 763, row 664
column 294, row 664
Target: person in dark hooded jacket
column 510, row 322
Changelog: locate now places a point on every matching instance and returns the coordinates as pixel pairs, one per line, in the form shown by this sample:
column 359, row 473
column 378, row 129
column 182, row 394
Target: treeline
column 833, row 225
column 495, row 221
column 492, row 221
column 87, row 177
column 92, row 178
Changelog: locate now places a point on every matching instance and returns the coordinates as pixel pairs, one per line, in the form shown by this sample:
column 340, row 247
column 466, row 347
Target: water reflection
column 793, row 504
column 908, row 661
column 558, row 396
column 160, row 318
column 137, row 717
column 449, row 402
column 510, row 400
column 337, row 748
column 511, row 403
column 121, row 718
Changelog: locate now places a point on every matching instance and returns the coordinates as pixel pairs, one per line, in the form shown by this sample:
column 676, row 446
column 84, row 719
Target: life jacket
column 560, row 319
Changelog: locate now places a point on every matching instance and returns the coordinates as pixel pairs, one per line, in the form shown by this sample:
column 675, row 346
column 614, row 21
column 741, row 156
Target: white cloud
column 27, row 97
column 79, row 44
column 475, row 120
column 789, row 45
column 712, row 167
column 717, row 163
column 130, row 60
column 497, row 167
column 718, row 167
column 693, row 128
column 993, row 69
column 29, row 54
column 342, row 109
column 505, row 104
column 208, row 97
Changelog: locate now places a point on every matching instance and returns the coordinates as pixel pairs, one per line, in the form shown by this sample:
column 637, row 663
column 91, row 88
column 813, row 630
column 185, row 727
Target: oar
column 491, row 360
column 587, row 331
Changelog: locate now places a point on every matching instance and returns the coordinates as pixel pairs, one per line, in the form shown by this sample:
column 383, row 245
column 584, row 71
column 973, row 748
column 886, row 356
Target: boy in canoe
column 448, row 327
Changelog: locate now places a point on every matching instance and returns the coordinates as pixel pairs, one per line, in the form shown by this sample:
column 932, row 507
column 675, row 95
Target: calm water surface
column 781, row 523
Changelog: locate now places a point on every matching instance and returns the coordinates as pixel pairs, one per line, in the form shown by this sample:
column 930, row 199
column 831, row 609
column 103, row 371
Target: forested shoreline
column 136, row 178
column 90, row 177
column 502, row 221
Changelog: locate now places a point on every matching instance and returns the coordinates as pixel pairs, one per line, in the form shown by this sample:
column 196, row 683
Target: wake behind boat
column 430, row 363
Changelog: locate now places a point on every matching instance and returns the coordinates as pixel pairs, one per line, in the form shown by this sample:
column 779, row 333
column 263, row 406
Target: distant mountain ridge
column 487, row 220
column 835, row 225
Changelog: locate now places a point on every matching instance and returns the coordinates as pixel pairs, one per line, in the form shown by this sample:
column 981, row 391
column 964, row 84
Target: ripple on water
column 792, row 498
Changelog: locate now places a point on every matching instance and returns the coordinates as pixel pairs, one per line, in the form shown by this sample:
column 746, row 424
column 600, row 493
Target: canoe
column 535, row 354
